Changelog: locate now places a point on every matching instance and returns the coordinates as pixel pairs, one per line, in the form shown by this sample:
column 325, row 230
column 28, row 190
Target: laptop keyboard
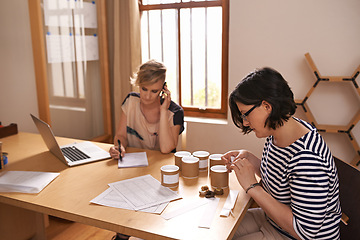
column 74, row 154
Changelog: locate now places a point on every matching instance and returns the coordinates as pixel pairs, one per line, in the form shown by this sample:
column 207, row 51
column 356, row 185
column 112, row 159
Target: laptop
column 72, row 154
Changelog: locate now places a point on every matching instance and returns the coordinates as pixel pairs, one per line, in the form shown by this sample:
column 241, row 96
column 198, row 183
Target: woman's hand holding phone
column 165, row 97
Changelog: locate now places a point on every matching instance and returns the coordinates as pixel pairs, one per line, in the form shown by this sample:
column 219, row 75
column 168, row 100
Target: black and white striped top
column 303, row 176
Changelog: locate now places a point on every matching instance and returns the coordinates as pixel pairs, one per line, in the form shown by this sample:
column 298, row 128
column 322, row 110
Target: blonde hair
column 149, row 73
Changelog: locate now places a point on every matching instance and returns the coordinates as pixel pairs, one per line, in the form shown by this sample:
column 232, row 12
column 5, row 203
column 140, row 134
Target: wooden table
column 69, row 195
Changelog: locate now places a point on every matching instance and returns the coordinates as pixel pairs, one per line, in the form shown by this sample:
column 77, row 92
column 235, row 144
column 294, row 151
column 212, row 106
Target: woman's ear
column 267, row 106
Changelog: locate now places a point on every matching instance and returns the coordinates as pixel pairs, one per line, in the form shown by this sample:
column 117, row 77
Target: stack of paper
column 137, row 159
column 143, row 193
column 25, row 181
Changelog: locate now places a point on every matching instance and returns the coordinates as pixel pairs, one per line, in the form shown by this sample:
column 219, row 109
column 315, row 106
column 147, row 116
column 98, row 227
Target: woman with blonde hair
column 149, row 119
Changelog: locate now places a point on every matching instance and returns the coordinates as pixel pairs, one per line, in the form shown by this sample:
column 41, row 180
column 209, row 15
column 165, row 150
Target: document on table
column 208, row 205
column 185, row 208
column 143, row 192
column 25, row 181
column 111, row 198
column 137, row 159
column 209, row 213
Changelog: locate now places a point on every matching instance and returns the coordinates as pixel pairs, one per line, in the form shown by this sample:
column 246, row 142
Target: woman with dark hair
column 298, row 191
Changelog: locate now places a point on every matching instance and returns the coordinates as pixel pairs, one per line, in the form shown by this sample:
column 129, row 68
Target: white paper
column 185, row 208
column 209, row 213
column 143, row 192
column 25, row 181
column 111, row 198
column 91, row 48
column 229, row 203
column 60, row 48
column 137, row 159
column 60, row 13
column 87, row 48
column 87, row 15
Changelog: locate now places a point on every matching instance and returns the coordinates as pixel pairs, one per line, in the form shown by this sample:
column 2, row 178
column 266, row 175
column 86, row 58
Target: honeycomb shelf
column 333, row 128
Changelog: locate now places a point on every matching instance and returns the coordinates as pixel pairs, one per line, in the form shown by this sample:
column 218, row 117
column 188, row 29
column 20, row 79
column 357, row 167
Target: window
column 191, row 38
column 72, row 50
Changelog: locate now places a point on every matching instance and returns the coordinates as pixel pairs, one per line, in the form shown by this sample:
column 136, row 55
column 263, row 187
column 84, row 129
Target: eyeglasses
column 244, row 116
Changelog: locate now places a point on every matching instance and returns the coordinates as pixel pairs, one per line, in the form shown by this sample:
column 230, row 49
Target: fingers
column 122, row 151
column 115, row 153
column 167, row 100
column 167, row 93
column 236, row 163
column 239, row 163
column 167, row 96
column 228, row 159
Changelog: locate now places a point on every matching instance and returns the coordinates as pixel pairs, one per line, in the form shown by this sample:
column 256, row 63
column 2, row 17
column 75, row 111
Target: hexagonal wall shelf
column 333, row 128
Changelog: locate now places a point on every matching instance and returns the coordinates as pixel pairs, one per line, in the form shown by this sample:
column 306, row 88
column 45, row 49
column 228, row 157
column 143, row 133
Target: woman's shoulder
column 131, row 95
column 174, row 107
column 305, row 124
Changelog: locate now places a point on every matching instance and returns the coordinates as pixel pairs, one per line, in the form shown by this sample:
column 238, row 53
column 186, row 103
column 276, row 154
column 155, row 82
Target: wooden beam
column 38, row 45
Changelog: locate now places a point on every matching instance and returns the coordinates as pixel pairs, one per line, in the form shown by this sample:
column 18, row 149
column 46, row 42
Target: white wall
column 278, row 33
column 17, row 78
column 273, row 33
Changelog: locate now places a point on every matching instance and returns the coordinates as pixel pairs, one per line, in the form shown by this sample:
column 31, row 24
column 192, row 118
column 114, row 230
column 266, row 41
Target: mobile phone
column 162, row 94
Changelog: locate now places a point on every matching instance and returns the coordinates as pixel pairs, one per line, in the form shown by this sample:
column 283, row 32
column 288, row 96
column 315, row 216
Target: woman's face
column 256, row 118
column 150, row 93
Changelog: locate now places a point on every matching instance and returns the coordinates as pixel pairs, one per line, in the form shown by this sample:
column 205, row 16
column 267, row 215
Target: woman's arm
column 280, row 213
column 168, row 135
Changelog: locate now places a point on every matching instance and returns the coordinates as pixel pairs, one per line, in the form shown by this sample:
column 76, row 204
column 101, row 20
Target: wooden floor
column 60, row 229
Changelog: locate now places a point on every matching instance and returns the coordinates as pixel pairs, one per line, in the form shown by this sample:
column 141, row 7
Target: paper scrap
column 229, row 203
column 209, row 213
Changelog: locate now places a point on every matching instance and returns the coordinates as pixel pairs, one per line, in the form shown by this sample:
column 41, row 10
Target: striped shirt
column 304, row 177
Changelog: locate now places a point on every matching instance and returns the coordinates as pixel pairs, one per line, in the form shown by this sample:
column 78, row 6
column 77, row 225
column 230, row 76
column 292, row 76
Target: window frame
column 193, row 111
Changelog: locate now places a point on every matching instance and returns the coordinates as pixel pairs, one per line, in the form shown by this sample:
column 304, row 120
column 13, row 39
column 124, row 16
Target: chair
column 349, row 181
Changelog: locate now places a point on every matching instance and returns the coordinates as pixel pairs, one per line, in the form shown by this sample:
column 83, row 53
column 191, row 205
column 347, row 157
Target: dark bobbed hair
column 265, row 84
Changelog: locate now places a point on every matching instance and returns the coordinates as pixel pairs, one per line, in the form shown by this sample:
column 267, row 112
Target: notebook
column 71, row 154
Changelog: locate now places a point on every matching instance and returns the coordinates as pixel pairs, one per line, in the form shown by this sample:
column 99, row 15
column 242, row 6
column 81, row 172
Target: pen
column 1, row 157
column 120, row 157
